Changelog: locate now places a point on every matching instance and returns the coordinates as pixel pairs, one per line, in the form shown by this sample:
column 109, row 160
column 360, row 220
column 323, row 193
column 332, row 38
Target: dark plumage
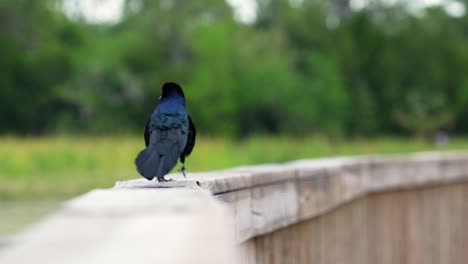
column 169, row 135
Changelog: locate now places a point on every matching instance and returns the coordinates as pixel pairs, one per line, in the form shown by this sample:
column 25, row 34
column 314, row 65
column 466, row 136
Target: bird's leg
column 182, row 169
column 162, row 179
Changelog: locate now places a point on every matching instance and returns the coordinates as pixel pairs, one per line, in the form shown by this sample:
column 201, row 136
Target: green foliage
column 424, row 113
column 302, row 67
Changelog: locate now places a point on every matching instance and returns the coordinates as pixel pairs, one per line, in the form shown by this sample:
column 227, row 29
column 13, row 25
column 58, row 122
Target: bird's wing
column 168, row 160
column 192, row 133
column 147, row 133
column 170, row 146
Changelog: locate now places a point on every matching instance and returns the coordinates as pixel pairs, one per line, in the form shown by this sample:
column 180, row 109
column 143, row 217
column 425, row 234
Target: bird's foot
column 162, row 179
column 182, row 169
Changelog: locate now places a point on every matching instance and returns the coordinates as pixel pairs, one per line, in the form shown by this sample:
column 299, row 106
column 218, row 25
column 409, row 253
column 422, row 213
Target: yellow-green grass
column 59, row 167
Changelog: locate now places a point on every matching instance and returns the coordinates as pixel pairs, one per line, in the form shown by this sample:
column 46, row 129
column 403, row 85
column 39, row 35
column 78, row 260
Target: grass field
column 50, row 168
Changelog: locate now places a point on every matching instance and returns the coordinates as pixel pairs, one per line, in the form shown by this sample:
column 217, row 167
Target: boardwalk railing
column 376, row 209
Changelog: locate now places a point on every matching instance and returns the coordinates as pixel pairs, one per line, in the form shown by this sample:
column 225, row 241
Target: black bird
column 169, row 135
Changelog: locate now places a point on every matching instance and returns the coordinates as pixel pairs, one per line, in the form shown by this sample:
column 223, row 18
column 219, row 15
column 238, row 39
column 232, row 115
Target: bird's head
column 171, row 89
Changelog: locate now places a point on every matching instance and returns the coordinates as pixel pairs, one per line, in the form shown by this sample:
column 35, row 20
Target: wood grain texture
column 321, row 186
column 426, row 225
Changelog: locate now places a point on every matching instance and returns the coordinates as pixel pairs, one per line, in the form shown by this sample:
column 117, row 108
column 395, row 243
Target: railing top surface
column 267, row 197
column 128, row 226
column 246, row 177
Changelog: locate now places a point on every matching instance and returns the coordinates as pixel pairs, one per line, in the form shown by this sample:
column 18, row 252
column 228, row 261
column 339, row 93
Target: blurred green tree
column 310, row 66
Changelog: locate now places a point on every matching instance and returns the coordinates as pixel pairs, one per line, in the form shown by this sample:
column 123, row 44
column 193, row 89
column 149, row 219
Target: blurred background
column 265, row 81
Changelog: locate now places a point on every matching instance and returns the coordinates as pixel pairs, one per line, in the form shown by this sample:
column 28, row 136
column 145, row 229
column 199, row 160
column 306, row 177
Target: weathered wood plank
column 319, row 186
column 263, row 209
column 407, row 226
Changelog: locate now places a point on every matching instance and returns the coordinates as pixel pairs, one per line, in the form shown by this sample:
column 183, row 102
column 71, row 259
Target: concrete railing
column 376, row 209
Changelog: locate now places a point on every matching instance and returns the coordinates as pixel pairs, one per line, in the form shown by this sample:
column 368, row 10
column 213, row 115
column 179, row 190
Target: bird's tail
column 147, row 162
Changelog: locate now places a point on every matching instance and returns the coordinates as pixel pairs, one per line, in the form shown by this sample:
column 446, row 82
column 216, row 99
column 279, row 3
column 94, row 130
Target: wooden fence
column 378, row 209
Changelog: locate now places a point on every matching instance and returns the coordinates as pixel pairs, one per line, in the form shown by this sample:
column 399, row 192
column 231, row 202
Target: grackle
column 169, row 135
